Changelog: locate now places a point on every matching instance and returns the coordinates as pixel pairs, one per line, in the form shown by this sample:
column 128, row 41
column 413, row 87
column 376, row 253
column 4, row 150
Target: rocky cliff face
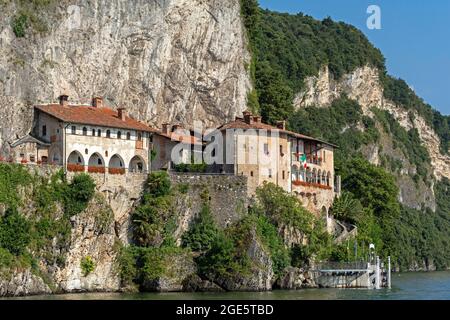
column 164, row 60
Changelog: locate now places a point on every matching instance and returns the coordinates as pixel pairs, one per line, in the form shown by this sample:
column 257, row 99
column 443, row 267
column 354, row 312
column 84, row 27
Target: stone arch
column 75, row 157
column 308, row 175
column 116, row 165
column 75, row 162
column 137, row 164
column 96, row 163
column 294, row 173
column 55, row 155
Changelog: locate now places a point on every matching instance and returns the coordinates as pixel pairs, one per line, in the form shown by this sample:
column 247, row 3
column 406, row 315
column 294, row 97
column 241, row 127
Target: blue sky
column 414, row 38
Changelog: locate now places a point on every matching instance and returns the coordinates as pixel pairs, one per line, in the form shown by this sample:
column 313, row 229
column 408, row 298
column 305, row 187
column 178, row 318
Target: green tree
column 14, row 232
column 275, row 96
column 202, row 233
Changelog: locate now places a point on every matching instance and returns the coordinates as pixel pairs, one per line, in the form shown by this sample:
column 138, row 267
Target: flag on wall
column 303, row 161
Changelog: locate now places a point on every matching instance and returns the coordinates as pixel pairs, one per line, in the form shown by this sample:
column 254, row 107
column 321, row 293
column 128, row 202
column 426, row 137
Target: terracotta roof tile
column 181, row 138
column 239, row 123
column 104, row 117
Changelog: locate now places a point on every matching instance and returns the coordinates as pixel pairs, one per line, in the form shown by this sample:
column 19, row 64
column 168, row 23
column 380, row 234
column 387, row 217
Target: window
column 99, row 132
column 270, row 173
column 106, row 153
column 93, row 132
column 283, row 175
column 251, row 173
column 128, row 136
column 108, row 133
column 22, row 155
column 44, row 130
column 57, row 131
column 213, row 154
column 74, row 130
column 281, row 151
column 119, row 135
column 32, row 158
column 99, row 162
column 84, row 131
column 86, row 151
column 324, row 156
column 139, row 136
column 266, row 148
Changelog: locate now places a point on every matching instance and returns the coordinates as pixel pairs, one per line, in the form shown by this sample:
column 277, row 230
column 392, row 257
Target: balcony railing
column 96, row 169
column 116, row 170
column 72, row 167
column 309, row 159
column 299, row 183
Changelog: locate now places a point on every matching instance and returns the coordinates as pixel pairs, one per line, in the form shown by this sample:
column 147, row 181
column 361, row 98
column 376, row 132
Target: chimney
column 97, row 102
column 248, row 117
column 64, row 100
column 281, row 125
column 257, row 119
column 175, row 127
column 122, row 113
column 165, row 128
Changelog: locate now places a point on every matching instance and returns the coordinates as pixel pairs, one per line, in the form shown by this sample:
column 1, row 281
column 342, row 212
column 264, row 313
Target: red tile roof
column 240, row 123
column 181, row 138
column 104, row 117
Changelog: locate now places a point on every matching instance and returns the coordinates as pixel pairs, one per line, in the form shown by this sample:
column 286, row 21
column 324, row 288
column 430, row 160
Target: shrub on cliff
column 158, row 184
column 78, row 194
column 202, row 233
column 283, row 208
column 14, row 232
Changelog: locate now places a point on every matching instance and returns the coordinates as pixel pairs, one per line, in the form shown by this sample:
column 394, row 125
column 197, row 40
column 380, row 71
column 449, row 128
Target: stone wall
column 227, row 196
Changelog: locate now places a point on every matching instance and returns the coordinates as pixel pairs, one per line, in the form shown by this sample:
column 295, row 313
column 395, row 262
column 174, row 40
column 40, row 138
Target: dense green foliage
column 14, row 232
column 202, row 233
column 153, row 219
column 50, row 202
column 269, row 236
column 153, row 223
column 284, row 210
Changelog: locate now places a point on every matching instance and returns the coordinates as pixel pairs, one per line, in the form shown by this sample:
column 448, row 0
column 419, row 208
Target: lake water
column 405, row 286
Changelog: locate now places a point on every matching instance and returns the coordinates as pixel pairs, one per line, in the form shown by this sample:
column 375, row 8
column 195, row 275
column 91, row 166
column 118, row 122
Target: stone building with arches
column 91, row 138
column 299, row 164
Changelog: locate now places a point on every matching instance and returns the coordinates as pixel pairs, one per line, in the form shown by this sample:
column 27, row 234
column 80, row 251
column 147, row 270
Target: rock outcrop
column 261, row 275
column 164, row 60
column 296, row 278
column 92, row 236
column 364, row 86
column 22, row 283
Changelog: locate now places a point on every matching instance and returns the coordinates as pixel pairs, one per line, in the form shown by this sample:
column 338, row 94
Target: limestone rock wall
column 363, row 85
column 164, row 60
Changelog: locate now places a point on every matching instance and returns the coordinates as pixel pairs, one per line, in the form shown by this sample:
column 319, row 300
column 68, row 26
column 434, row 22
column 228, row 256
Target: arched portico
column 96, row 163
column 116, row 165
column 137, row 165
column 75, row 162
